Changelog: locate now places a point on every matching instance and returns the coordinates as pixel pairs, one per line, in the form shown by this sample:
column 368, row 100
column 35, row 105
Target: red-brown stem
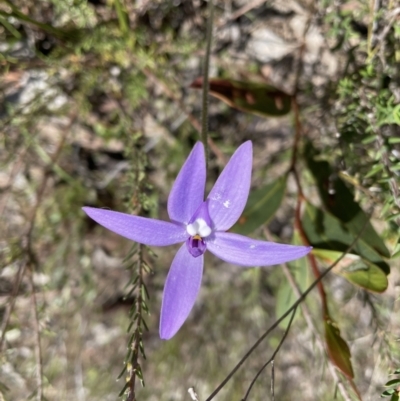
column 311, row 257
column 297, row 134
column 300, row 198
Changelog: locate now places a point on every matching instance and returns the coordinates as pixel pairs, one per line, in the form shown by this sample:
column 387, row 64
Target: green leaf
column 396, row 114
column 388, row 393
column 261, row 206
column 338, row 350
column 325, row 231
column 392, row 382
column 375, row 170
column 10, row 27
column 396, row 250
column 253, row 97
column 355, row 269
column 123, row 17
column 339, row 200
column 395, row 397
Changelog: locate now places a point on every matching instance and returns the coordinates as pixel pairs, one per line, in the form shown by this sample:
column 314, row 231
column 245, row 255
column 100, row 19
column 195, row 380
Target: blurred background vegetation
column 98, row 108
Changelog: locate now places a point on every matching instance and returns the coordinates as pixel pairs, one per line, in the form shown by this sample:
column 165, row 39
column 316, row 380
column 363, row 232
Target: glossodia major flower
column 202, row 226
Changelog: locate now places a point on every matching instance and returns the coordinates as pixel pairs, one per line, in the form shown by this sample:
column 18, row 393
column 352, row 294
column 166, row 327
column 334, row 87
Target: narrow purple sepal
column 228, row 197
column 140, row 229
column 245, row 251
column 180, row 291
column 187, row 193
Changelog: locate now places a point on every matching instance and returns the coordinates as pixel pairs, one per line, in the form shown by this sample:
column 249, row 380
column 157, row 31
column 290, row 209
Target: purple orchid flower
column 201, row 225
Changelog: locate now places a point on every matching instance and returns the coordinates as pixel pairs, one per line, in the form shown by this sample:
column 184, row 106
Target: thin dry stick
column 14, row 172
column 312, row 327
column 11, row 302
column 310, row 324
column 302, row 49
column 374, row 6
column 272, row 357
column 40, row 193
column 193, row 394
column 30, row 255
column 192, row 119
column 206, row 68
column 38, row 348
column 292, row 168
column 273, row 326
column 381, row 38
column 310, row 256
column 243, row 10
column 295, row 106
column 272, row 380
column 31, row 260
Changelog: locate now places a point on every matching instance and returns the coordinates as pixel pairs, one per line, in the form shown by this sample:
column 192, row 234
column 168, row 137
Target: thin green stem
column 290, row 310
column 204, row 114
column 271, row 360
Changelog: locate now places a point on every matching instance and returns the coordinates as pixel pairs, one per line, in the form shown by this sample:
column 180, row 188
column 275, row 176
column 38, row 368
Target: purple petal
column 229, row 195
column 187, row 193
column 245, row 251
column 180, row 291
column 140, row 229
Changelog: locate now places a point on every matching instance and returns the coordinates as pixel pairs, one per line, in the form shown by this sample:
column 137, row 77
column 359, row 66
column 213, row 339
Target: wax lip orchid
column 202, row 226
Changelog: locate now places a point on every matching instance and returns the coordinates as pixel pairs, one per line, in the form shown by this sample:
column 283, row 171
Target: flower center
column 196, row 245
column 198, row 228
column 197, row 231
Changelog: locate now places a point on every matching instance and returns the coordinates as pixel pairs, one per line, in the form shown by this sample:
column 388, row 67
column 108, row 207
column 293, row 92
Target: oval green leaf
column 253, row 97
column 339, row 200
column 392, row 382
column 325, row 231
column 355, row 269
column 338, row 350
column 261, row 206
column 387, row 393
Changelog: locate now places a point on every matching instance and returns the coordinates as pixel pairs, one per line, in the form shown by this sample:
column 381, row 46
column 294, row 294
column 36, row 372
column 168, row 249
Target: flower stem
column 287, row 313
column 206, row 67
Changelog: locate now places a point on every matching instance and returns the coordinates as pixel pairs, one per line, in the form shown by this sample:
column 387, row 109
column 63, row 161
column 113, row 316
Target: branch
column 192, row 119
column 38, row 348
column 272, row 357
column 273, row 326
column 28, row 249
column 312, row 327
column 206, row 68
